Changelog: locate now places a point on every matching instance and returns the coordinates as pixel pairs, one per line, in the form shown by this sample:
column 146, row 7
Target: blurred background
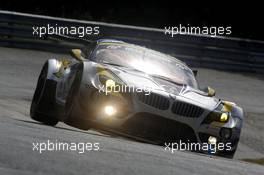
column 245, row 19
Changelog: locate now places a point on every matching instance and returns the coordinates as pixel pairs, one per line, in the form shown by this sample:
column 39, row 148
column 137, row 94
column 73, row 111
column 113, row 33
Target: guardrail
column 222, row 53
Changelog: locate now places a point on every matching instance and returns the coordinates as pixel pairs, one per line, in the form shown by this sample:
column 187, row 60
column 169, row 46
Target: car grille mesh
column 179, row 108
column 155, row 100
column 186, row 110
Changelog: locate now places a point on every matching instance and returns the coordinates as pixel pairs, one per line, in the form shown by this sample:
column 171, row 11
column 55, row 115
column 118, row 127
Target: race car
column 115, row 86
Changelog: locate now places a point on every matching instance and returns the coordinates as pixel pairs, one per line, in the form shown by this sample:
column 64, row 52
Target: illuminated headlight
column 109, row 110
column 225, row 133
column 220, row 114
column 223, row 117
column 217, row 116
column 116, row 103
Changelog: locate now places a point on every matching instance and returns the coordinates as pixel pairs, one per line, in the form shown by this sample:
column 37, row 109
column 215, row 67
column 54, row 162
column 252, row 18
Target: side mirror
column 210, row 91
column 77, row 54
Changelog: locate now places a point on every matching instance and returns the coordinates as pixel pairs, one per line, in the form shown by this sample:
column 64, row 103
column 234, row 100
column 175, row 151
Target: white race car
column 116, row 86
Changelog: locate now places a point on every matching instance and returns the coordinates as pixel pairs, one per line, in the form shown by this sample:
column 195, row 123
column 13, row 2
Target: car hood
column 142, row 80
column 139, row 79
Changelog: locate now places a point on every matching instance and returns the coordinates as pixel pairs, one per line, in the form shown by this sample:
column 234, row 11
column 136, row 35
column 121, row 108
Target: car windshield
column 145, row 60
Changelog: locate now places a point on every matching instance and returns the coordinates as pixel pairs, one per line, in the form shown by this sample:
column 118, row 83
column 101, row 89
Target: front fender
column 237, row 114
column 54, row 67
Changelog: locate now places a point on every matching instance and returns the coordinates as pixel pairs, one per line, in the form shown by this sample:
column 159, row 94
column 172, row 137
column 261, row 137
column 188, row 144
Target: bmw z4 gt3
column 119, row 87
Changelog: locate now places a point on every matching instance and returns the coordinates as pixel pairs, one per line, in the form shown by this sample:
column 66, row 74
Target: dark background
column 246, row 21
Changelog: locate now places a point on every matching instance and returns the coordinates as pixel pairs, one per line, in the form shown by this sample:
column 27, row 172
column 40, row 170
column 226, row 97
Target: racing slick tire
column 43, row 100
column 72, row 107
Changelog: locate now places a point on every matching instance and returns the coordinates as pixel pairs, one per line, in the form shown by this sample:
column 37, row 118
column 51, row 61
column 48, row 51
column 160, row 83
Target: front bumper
column 156, row 117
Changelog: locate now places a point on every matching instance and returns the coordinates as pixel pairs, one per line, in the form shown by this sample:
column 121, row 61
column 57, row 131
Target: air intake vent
column 159, row 129
column 186, row 110
column 155, row 100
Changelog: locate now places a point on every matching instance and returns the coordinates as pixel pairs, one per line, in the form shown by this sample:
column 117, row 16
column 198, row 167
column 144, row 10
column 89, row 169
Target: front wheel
column 43, row 99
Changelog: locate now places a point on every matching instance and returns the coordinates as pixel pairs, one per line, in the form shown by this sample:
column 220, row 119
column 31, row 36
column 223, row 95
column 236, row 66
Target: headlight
column 224, row 117
column 113, row 101
column 109, row 110
column 218, row 115
column 110, row 82
column 111, row 105
column 113, row 109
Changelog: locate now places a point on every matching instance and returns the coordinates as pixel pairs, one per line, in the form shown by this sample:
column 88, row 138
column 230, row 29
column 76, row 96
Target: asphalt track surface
column 19, row 70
